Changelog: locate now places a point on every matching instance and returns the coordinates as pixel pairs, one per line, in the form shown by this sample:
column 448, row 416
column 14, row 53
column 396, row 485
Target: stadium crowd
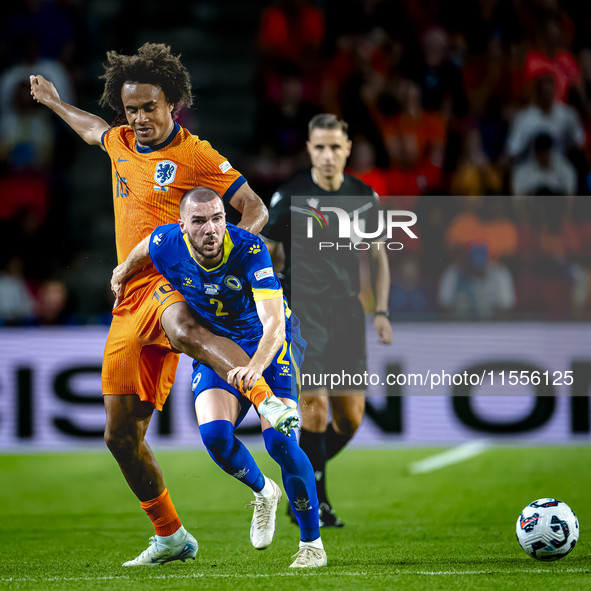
column 475, row 114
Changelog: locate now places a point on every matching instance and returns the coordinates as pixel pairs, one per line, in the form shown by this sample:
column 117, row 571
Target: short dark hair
column 327, row 121
column 199, row 194
column 543, row 142
column 153, row 64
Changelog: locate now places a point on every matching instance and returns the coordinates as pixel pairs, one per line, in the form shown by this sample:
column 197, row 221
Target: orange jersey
column 148, row 183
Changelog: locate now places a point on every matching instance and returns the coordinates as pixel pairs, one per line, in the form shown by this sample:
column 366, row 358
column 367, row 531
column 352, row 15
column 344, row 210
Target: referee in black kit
column 322, row 285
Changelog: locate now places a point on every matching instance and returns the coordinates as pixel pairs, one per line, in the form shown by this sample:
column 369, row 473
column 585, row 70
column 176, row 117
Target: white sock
column 267, row 491
column 176, row 538
column 317, row 543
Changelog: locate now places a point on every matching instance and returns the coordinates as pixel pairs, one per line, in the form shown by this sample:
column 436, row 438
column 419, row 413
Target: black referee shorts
column 335, row 333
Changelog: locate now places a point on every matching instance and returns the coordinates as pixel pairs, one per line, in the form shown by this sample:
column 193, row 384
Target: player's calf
column 300, row 486
column 230, row 454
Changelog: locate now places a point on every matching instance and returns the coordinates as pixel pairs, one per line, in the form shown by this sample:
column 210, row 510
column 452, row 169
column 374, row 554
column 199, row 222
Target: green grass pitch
column 68, row 521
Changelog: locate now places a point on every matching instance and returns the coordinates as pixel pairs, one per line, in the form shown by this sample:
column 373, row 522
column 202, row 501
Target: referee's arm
column 278, row 229
column 381, row 323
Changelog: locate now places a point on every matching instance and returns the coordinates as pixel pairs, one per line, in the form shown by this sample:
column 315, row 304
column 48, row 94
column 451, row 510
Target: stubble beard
column 207, row 256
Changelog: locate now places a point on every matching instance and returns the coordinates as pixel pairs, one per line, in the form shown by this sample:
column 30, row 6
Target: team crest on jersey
column 211, row 288
column 165, row 172
column 233, row 283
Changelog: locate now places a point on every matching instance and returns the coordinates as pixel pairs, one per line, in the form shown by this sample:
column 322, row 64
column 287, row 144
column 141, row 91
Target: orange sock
column 162, row 514
column 259, row 392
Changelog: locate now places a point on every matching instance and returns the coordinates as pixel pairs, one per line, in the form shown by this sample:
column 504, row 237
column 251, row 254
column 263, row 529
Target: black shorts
column 335, row 333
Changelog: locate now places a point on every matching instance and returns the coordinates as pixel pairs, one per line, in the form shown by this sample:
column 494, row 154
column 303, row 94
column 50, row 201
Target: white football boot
column 180, row 546
column 309, row 557
column 282, row 417
column 262, row 526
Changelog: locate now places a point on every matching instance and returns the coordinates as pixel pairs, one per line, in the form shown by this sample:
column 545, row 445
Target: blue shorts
column 282, row 375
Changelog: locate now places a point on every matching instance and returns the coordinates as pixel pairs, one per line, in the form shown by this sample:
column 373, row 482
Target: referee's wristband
column 385, row 313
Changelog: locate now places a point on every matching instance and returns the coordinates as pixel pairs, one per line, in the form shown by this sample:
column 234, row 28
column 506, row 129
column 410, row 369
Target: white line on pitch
column 451, row 456
column 330, row 572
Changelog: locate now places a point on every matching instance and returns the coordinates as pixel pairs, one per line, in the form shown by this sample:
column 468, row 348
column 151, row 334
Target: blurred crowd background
column 475, row 114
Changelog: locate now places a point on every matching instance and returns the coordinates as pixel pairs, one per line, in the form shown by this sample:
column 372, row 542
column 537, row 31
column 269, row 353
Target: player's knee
column 276, row 444
column 218, row 439
column 188, row 336
column 348, row 425
column 313, row 421
column 122, row 443
column 219, row 445
column 283, row 449
column 314, row 413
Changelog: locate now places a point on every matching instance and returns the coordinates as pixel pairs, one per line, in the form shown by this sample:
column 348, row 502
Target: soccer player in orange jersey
column 154, row 162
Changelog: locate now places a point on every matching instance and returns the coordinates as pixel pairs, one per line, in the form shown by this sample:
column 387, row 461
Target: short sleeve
column 164, row 243
column 214, row 171
column 259, row 272
column 278, row 227
column 107, row 139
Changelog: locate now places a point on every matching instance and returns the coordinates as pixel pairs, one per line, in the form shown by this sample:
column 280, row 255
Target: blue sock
column 230, row 455
column 298, row 480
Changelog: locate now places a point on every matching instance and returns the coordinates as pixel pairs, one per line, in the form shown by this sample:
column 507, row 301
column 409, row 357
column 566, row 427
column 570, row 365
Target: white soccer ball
column 547, row 529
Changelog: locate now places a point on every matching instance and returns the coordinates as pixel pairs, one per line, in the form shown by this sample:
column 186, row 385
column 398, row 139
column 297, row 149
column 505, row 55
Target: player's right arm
column 138, row 257
column 89, row 127
column 272, row 316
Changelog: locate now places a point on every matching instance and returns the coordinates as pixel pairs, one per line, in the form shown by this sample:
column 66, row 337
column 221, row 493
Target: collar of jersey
column 316, row 182
column 148, row 150
column 228, row 246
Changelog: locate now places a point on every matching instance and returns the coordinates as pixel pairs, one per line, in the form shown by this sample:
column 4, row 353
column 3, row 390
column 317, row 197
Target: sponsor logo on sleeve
column 225, row 166
column 157, row 239
column 266, row 272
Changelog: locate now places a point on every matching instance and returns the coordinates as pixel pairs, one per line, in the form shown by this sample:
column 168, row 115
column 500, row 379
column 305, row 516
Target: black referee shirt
column 329, row 272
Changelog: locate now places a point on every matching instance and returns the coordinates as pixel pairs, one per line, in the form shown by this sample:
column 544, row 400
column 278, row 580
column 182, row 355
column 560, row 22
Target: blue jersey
column 225, row 296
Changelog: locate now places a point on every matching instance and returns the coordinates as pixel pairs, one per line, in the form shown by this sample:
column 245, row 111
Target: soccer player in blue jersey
column 226, row 274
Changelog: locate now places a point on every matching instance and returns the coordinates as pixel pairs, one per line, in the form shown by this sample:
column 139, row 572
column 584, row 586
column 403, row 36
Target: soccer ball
column 547, row 529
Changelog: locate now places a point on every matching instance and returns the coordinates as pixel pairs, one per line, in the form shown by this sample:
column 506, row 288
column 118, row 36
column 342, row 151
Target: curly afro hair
column 153, row 64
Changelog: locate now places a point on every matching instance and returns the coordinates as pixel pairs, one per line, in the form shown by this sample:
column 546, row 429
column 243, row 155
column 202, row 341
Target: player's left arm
column 272, row 317
column 381, row 322
column 137, row 258
column 251, row 206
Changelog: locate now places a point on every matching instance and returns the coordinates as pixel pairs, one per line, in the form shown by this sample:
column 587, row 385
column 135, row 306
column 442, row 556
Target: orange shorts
column 139, row 358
